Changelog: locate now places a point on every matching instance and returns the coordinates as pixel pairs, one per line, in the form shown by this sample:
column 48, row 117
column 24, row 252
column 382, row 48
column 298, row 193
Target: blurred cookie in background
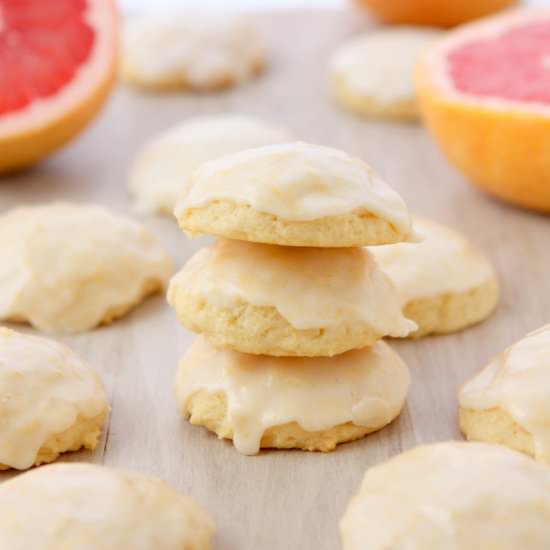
column 373, row 74
column 69, row 267
column 190, row 51
column 51, row 401
column 163, row 166
column 88, row 506
column 508, row 402
column 451, row 495
column 443, row 282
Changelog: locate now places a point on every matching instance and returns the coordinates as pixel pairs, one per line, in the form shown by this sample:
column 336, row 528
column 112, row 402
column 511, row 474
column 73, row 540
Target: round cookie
column 444, row 284
column 293, row 194
column 451, row 495
column 165, row 163
column 276, row 300
column 373, row 74
column 67, row 267
column 78, row 506
column 190, row 51
column 290, row 402
column 50, row 401
column 508, row 402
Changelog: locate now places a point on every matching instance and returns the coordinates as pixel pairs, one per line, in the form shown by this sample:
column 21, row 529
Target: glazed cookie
column 79, row 506
column 50, row 401
column 373, row 74
column 444, row 283
column 190, row 51
column 451, row 495
column 508, row 402
column 294, row 194
column 278, row 300
column 68, row 267
column 290, row 402
column 163, row 166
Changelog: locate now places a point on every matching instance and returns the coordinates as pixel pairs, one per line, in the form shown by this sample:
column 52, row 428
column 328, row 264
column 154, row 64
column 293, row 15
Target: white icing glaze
column 165, row 163
column 367, row 387
column 82, row 506
column 452, row 496
column 311, row 288
column 380, row 65
column 198, row 49
column 518, row 382
column 443, row 262
column 64, row 266
column 44, row 388
column 295, row 181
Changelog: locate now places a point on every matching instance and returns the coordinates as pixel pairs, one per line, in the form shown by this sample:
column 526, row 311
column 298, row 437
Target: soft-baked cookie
column 276, row 300
column 67, row 267
column 459, row 496
column 190, row 51
column 444, row 284
column 290, row 402
column 508, row 402
column 373, row 74
column 50, row 401
column 82, row 506
column 293, row 194
column 164, row 164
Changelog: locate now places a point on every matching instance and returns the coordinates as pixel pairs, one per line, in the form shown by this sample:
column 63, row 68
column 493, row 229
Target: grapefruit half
column 57, row 66
column 439, row 13
column 484, row 93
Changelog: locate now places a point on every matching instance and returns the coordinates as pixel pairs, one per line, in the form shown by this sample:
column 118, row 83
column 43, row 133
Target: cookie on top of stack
column 290, row 305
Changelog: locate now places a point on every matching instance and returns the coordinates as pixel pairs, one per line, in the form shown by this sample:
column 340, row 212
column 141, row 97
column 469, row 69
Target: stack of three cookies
column 290, row 305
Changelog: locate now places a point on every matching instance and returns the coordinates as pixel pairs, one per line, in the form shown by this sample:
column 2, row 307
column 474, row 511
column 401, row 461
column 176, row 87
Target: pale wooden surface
column 284, row 500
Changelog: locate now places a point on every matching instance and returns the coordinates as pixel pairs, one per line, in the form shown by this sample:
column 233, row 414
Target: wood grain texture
column 284, row 500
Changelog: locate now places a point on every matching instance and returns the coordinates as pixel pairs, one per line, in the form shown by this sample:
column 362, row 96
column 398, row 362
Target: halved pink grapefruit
column 439, row 13
column 484, row 92
column 57, row 66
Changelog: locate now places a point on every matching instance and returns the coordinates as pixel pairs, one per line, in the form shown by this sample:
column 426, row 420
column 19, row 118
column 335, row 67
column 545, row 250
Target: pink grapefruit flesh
column 514, row 65
column 57, row 65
